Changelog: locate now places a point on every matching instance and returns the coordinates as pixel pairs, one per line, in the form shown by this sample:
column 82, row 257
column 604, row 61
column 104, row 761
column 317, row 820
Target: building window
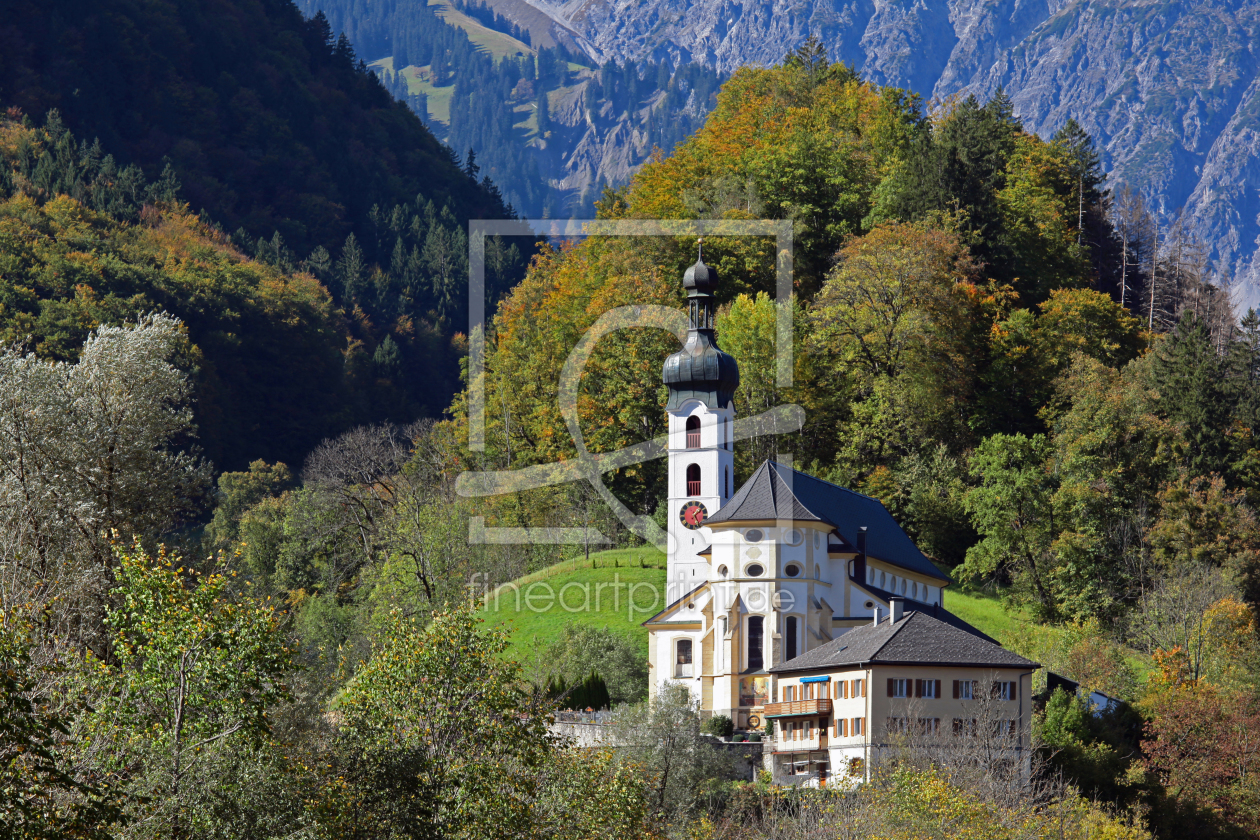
column 1004, row 691
column 789, row 693
column 753, row 570
column 728, row 482
column 903, row 586
column 929, row 726
column 753, row 535
column 882, row 579
column 964, row 690
column 789, row 649
column 793, row 537
column 719, row 644
column 855, row 767
column 898, row 688
column 722, row 571
column 755, row 660
column 693, row 480
column 930, row 689
column 693, row 432
column 683, row 666
column 963, row 727
column 791, row 570
column 858, row 726
column 914, row 591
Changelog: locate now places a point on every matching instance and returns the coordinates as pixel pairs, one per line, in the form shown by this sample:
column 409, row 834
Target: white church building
column 785, row 565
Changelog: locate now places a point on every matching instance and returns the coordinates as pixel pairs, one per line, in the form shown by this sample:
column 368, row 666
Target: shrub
column 719, row 725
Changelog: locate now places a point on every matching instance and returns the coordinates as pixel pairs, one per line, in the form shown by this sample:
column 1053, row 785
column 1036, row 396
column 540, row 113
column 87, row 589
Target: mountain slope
column 1169, row 89
column 269, row 122
column 544, row 123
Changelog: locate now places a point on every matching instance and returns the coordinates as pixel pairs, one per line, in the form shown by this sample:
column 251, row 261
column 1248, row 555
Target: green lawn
column 987, row 613
column 624, row 589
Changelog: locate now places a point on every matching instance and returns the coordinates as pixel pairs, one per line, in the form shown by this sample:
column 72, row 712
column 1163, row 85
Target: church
column 795, row 600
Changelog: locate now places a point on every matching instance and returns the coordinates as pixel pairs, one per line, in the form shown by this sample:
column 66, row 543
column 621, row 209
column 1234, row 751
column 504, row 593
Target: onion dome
column 700, row 371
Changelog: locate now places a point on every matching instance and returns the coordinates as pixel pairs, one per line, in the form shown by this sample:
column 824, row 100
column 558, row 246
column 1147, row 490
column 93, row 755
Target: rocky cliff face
column 1170, row 89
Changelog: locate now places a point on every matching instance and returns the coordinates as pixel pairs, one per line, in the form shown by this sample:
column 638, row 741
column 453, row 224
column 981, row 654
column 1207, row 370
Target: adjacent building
column 779, row 586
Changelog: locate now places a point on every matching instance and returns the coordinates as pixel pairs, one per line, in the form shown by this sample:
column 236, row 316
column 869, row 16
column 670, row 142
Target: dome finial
column 699, row 249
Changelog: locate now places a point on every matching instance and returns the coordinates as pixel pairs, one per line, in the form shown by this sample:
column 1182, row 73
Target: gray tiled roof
column 917, row 639
column 934, row 610
column 779, row 492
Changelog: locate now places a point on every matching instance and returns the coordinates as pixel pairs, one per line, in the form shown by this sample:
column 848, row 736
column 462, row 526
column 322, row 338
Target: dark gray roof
column 934, row 610
column 779, row 492
column 917, row 639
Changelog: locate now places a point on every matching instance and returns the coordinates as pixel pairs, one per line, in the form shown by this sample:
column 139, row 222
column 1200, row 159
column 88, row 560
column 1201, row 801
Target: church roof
column 917, row 638
column 779, row 492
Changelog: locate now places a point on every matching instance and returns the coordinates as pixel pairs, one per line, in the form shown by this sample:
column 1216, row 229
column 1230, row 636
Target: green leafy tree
column 41, row 795
column 238, row 491
column 619, row 661
column 1012, row 509
column 439, row 738
column 665, row 737
column 197, row 670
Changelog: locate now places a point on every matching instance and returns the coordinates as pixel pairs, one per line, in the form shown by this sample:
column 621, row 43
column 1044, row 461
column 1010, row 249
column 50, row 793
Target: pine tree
column 1189, row 376
column 351, row 270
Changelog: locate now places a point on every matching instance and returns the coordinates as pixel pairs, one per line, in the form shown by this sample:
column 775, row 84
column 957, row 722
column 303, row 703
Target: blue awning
column 815, row 679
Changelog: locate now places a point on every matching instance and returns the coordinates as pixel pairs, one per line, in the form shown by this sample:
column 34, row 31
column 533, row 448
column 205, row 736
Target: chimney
column 896, row 607
column 875, row 623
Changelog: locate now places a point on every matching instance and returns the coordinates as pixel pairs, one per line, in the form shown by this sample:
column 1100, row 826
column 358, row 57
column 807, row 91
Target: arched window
column 755, row 660
column 693, row 432
column 789, row 646
column 683, row 668
column 693, row 480
column 719, row 644
column 728, row 482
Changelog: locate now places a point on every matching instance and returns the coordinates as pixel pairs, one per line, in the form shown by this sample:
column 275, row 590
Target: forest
column 235, row 565
column 501, row 108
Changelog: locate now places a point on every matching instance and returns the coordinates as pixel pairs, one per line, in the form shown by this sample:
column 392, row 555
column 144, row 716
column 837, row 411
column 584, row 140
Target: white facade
column 701, row 470
column 766, row 593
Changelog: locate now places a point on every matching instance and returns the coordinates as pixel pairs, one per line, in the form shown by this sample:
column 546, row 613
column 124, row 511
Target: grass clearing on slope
column 497, row 44
column 624, row 589
column 988, row 613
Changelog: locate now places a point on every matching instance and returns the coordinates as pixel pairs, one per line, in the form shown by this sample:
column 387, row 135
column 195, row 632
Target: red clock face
column 692, row 514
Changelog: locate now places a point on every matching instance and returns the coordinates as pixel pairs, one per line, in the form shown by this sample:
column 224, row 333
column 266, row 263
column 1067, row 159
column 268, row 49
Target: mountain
column 242, row 169
column 269, row 121
column 1169, row 89
column 550, row 126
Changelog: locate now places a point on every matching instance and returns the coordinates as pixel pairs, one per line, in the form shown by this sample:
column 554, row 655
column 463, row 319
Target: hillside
column 547, row 124
column 271, row 124
column 628, row 583
column 1169, row 89
column 613, row 590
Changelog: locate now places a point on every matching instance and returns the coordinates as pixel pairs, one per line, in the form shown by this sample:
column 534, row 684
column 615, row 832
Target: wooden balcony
column 693, row 488
column 798, row 708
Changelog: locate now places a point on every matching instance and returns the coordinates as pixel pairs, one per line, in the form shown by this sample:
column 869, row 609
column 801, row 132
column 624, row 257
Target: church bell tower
column 701, row 419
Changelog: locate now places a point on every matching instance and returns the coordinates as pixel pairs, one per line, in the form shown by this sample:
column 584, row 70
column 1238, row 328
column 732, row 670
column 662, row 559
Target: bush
column 719, row 725
column 741, row 737
column 755, row 738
